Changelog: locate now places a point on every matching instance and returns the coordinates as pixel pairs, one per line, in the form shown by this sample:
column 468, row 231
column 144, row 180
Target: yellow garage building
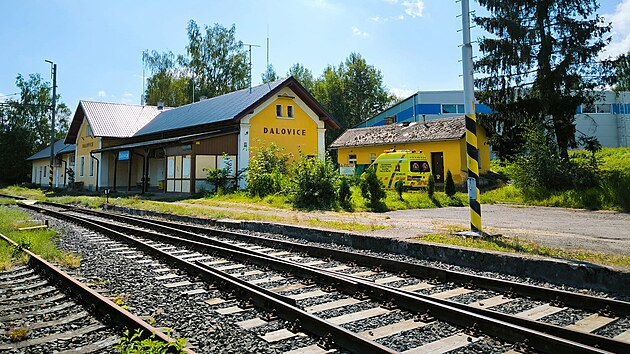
column 443, row 142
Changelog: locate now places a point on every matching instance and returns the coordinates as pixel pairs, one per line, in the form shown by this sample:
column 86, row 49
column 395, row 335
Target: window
column 81, row 165
column 88, row 130
column 91, row 167
column 44, row 170
column 72, row 161
column 596, row 108
column 372, row 157
column 290, row 111
column 352, row 159
column 419, row 166
column 452, row 108
column 279, row 110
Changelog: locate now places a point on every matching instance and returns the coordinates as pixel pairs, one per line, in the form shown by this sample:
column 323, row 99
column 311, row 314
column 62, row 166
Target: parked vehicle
column 409, row 166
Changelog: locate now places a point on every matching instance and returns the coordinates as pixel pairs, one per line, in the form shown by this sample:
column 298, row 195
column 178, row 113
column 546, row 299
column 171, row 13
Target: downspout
column 97, row 169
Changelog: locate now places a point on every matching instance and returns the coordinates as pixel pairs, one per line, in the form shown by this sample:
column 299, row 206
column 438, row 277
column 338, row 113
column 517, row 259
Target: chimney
column 160, row 105
column 202, row 98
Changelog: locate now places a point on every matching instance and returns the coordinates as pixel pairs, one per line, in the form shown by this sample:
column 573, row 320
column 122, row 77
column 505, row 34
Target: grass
column 41, row 242
column 17, row 334
column 516, row 245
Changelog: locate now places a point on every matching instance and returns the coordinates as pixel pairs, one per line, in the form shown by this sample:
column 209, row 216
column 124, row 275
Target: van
column 409, row 166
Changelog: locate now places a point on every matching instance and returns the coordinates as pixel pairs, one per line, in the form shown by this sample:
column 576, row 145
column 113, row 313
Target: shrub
column 345, row 194
column 267, row 171
column 132, row 343
column 400, row 188
column 314, row 182
column 431, row 186
column 371, row 187
column 218, row 177
column 449, row 184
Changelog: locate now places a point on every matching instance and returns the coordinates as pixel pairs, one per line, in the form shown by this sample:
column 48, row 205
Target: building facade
column 129, row 147
column 608, row 119
column 442, row 140
column 64, row 160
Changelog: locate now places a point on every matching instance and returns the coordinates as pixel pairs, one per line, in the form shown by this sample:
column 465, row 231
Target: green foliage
column 267, row 171
column 345, row 194
column 592, row 145
column 621, row 67
column 168, row 81
column 134, row 343
column 449, row 184
column 314, row 182
column 351, row 92
column 538, row 64
column 219, row 178
column 400, row 188
column 303, row 76
column 269, row 75
column 431, row 186
column 371, row 188
column 25, row 126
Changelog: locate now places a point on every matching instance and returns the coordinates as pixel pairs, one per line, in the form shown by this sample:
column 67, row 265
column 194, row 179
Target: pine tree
column 449, row 184
column 538, row 67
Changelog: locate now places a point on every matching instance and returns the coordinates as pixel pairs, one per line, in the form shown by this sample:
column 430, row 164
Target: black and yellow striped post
column 473, row 171
column 471, row 122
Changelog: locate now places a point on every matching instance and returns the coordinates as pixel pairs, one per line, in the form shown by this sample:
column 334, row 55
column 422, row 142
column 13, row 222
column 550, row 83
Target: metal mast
column 471, row 122
column 52, row 124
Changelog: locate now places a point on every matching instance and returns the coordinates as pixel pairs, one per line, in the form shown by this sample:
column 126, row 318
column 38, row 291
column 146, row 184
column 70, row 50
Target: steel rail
column 269, row 301
column 462, row 317
column 105, row 309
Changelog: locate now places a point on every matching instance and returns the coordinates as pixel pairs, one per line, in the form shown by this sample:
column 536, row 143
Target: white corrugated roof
column 117, row 120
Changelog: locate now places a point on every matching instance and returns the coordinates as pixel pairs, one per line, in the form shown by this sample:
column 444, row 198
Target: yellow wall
column 454, row 152
column 85, row 144
column 292, row 134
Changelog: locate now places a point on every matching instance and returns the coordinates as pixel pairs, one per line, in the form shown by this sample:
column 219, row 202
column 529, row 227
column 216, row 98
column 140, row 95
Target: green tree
column 371, row 187
column 267, row 171
column 352, row 92
column 303, row 76
column 25, row 126
column 269, row 75
column 537, row 65
column 449, row 184
column 431, row 186
column 216, row 59
column 622, row 73
column 168, row 81
column 315, row 182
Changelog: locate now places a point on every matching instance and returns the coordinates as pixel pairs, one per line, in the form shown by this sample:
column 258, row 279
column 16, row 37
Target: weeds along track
column 357, row 302
column 45, row 310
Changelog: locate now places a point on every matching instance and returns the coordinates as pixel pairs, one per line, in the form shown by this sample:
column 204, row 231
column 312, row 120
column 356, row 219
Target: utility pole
column 471, row 122
column 52, row 124
column 250, row 64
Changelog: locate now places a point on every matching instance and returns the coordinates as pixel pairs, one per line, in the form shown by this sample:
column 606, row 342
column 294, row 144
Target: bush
column 314, row 182
column 449, row 184
column 345, row 194
column 431, row 186
column 267, row 171
column 371, row 187
column 218, row 177
column 400, row 188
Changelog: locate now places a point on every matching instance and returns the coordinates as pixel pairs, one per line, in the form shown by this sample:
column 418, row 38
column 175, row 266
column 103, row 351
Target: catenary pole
column 471, row 122
column 52, row 124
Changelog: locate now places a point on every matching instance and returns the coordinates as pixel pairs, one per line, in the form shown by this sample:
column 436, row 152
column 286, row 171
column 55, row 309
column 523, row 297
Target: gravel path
column 600, row 231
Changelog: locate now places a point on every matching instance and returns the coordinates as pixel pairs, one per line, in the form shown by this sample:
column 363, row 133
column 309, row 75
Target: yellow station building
column 134, row 147
column 442, row 140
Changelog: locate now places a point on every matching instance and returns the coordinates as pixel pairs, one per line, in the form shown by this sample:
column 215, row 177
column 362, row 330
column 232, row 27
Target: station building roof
column 126, row 121
column 60, row 148
column 452, row 128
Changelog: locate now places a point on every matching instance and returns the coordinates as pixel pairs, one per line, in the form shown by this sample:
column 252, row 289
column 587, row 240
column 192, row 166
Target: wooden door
column 437, row 166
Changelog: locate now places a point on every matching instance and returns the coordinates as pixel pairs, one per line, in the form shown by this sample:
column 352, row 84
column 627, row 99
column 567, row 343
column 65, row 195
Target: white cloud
column 102, row 93
column 392, row 1
column 414, row 8
column 621, row 30
column 402, row 92
column 358, row 32
column 3, row 97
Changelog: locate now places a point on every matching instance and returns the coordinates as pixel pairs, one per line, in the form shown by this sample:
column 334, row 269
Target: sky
column 98, row 45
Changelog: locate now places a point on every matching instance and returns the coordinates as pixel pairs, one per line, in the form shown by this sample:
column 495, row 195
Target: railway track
column 45, row 310
column 395, row 311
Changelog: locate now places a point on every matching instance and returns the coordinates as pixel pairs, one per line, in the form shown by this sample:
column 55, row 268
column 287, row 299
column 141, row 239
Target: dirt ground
column 600, row 231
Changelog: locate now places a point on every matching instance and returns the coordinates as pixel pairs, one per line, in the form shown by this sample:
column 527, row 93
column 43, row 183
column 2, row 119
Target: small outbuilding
column 442, row 140
column 64, row 161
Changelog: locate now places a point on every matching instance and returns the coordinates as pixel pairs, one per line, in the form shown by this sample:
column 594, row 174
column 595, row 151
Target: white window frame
column 290, row 111
column 372, row 157
column 91, row 167
column 596, row 108
column 279, row 110
column 352, row 160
